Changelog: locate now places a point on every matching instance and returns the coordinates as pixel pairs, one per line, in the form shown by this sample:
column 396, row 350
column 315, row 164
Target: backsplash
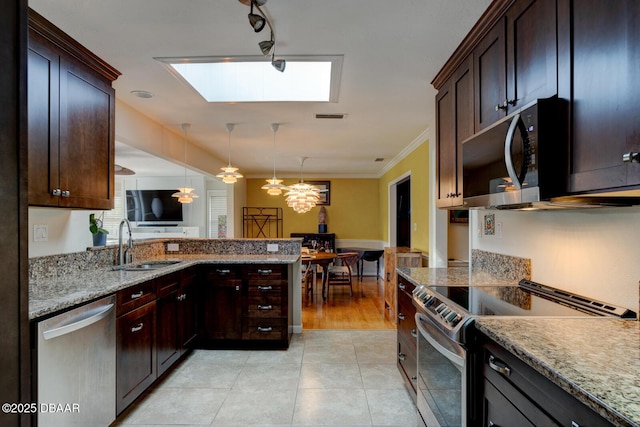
column 52, row 266
column 501, row 266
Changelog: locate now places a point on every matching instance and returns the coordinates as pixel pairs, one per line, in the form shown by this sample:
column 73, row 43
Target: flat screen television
column 155, row 206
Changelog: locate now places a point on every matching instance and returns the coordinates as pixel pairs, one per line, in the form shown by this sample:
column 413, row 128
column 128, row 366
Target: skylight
column 253, row 79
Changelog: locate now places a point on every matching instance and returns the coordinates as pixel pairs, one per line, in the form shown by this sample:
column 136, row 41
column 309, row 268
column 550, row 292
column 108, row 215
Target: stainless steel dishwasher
column 77, row 367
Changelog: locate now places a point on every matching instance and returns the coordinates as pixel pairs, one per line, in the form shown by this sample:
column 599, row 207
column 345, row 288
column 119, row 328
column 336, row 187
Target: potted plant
column 99, row 233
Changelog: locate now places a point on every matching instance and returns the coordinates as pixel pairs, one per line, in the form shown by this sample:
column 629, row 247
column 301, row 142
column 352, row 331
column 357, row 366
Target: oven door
column 442, row 379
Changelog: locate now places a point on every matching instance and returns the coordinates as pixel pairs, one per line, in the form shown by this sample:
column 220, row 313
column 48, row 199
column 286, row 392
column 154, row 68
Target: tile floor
column 325, row 378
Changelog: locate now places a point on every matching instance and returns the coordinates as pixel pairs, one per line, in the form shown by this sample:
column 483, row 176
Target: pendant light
column 185, row 194
column 302, row 197
column 274, row 185
column 229, row 174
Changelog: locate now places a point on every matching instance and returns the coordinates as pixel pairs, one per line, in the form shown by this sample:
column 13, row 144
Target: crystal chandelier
column 274, row 185
column 229, row 174
column 185, row 194
column 302, row 197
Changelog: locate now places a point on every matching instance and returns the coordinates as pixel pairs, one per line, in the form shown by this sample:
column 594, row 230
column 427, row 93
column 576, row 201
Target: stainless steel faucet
column 125, row 256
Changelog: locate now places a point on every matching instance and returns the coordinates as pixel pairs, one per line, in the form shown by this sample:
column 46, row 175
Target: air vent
column 331, row 116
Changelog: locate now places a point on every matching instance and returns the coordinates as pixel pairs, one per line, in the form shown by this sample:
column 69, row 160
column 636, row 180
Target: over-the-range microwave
column 520, row 160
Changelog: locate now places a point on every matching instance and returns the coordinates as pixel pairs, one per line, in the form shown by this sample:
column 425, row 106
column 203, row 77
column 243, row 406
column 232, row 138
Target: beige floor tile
column 268, row 377
column 249, row 407
column 330, row 375
column 333, row 407
column 381, row 376
column 376, row 352
column 329, row 353
column 391, row 407
column 199, row 373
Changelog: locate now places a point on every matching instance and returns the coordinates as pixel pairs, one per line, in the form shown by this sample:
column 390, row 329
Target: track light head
column 279, row 64
column 266, row 46
column 257, row 22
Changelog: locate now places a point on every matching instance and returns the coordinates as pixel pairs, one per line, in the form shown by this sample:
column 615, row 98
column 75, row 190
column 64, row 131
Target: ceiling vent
column 338, row 116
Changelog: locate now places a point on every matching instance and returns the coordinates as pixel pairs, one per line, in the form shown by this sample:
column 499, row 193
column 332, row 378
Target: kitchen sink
column 146, row 266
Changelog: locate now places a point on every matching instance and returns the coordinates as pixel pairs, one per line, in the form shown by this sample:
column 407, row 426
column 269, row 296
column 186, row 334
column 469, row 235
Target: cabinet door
column 605, row 87
column 187, row 318
column 490, row 77
column 135, row 354
column 531, row 52
column 498, row 411
column 168, row 308
column 221, row 304
column 43, row 99
column 86, row 138
column 455, row 123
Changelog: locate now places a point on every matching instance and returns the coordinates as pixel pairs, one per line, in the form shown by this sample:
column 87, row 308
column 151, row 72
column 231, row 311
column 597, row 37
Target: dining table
column 322, row 259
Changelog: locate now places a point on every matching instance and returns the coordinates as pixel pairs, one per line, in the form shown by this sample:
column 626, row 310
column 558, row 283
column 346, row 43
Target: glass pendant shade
column 229, row 174
column 185, row 194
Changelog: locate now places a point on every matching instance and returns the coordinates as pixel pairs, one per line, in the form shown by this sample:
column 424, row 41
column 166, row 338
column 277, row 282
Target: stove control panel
column 436, row 308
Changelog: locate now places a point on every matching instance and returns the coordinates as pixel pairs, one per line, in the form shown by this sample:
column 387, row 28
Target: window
column 217, row 213
column 112, row 218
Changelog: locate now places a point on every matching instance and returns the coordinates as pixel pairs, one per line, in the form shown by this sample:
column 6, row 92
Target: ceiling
column 392, row 50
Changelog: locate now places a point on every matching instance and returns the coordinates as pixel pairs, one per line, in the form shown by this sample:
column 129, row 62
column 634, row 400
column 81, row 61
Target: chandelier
column 302, row 197
column 274, row 185
column 229, row 174
column 185, row 194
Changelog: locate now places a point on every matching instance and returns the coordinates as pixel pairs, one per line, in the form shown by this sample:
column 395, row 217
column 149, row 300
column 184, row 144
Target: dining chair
column 341, row 271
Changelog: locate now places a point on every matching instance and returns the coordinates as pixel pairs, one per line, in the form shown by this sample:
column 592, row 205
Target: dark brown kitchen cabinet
column 169, row 342
column 454, row 123
column 599, row 55
column 407, row 335
column 220, row 290
column 136, row 366
column 187, row 315
column 515, row 394
column 266, row 306
column 71, row 112
column 516, row 61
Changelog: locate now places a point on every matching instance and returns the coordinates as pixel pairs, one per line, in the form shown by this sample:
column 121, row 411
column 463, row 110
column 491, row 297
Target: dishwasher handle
column 82, row 320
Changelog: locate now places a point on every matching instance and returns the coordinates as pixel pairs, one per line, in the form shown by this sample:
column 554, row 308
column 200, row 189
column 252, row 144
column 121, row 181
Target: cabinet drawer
column 264, row 329
column 257, row 287
column 265, row 307
column 219, row 272
column 167, row 284
column 135, row 296
column 261, row 272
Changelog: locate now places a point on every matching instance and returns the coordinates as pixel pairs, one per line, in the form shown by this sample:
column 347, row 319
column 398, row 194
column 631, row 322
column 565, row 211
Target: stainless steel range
column 445, row 317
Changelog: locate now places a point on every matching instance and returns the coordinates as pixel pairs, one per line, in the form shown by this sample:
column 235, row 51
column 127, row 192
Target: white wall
column 593, row 252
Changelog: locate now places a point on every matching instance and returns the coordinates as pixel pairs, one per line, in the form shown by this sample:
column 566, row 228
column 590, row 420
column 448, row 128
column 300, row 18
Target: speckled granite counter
column 62, row 281
column 595, row 360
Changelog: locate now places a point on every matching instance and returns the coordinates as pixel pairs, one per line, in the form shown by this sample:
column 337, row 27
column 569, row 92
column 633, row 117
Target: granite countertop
column 454, row 276
column 47, row 296
column 595, row 360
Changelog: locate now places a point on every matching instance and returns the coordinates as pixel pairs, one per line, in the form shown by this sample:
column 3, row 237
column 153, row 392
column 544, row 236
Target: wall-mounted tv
column 155, row 206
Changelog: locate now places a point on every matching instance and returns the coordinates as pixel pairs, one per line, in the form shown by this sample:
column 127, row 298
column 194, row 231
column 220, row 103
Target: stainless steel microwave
column 520, row 160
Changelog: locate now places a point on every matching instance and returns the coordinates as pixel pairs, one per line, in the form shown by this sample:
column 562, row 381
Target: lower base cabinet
column 514, row 394
column 407, row 335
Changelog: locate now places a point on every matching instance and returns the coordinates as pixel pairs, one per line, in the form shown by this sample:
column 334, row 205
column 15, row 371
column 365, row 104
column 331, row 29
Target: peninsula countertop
column 47, row 296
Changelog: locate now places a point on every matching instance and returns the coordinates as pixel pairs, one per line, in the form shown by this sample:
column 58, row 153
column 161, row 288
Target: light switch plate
column 40, row 233
column 272, row 247
column 173, row 247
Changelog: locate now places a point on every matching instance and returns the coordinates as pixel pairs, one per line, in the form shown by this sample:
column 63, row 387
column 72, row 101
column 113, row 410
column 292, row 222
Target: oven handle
column 437, row 341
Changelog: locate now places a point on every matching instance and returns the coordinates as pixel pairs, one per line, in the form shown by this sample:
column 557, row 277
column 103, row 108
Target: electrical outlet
column 272, row 247
column 40, row 233
column 173, row 247
column 498, row 230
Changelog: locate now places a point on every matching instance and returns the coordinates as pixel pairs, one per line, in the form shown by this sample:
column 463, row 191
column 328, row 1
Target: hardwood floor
column 363, row 310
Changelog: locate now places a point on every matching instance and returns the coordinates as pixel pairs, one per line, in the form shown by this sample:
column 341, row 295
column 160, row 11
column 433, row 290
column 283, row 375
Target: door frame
column 393, row 212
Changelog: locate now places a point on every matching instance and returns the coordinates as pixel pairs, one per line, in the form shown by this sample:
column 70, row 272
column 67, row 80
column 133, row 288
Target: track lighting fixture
column 278, row 64
column 257, row 21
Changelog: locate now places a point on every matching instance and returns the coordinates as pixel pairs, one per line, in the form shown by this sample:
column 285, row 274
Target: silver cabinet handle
column 402, row 286
column 265, row 288
column 265, row 272
column 401, row 316
column 223, row 272
column 263, row 329
column 631, row 157
column 138, row 327
column 574, row 424
column 402, row 356
column 414, row 333
column 66, row 193
column 138, row 295
column 56, row 192
column 265, row 307
column 499, row 366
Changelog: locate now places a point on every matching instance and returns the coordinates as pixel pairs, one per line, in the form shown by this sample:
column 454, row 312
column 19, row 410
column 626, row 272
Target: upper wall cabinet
column 599, row 64
column 71, row 112
column 454, row 123
column 515, row 62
